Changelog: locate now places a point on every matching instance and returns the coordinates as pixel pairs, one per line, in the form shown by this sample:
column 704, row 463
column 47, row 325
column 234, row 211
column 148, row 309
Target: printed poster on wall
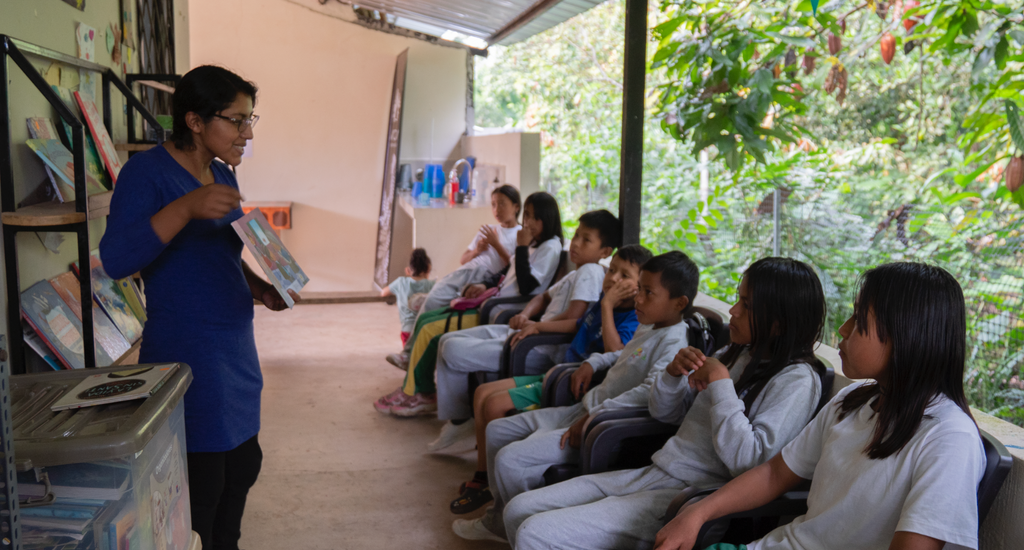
column 385, row 221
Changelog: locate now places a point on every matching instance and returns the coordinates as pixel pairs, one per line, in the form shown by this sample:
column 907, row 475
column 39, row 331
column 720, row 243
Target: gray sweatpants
column 520, row 449
column 470, row 350
column 447, row 289
column 621, row 509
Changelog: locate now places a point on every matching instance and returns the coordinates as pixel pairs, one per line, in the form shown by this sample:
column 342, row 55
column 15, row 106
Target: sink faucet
column 469, row 175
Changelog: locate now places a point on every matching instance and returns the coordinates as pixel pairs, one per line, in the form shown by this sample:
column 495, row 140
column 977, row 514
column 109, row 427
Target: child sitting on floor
column 537, row 258
column 520, row 448
column 496, row 399
column 406, row 289
column 479, row 349
column 735, row 412
column 895, row 461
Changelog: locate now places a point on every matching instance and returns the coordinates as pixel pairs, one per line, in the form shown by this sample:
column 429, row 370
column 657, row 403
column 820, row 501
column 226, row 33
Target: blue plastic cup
column 433, row 180
column 417, row 188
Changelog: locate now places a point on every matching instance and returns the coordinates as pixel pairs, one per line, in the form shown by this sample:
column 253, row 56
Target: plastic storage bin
column 110, row 477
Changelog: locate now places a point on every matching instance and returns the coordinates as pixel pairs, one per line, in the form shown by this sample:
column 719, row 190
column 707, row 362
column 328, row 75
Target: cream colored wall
column 51, row 24
column 325, row 86
column 518, row 152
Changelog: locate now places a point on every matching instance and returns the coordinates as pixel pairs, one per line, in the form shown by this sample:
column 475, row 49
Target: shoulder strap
column 699, row 333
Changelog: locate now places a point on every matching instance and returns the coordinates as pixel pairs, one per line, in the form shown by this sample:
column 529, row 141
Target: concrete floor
column 336, row 473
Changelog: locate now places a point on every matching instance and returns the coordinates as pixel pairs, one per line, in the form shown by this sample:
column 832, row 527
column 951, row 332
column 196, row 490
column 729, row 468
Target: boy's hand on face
column 518, row 322
column 712, row 371
column 580, row 380
column 574, row 435
column 623, row 290
column 474, row 290
column 686, row 361
column 528, row 330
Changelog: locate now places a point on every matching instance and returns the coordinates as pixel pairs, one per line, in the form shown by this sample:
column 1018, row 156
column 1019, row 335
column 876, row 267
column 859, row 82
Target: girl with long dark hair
column 895, row 460
column 736, row 410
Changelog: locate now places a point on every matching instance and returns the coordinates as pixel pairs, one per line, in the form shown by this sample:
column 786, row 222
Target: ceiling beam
column 522, row 19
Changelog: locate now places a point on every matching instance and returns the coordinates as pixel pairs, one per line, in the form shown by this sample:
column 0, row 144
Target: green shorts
column 726, row 546
column 526, row 395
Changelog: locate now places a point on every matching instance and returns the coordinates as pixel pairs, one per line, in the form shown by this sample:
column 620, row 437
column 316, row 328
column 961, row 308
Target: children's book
column 42, row 128
column 261, row 240
column 83, row 480
column 59, row 159
column 55, row 323
column 114, row 387
column 93, row 164
column 108, row 293
column 133, row 296
column 109, row 339
column 36, row 343
column 92, row 117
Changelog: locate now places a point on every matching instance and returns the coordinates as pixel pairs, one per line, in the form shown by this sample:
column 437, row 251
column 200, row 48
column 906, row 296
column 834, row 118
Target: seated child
column 896, row 460
column 488, row 253
column 520, row 448
column 537, row 259
column 496, row 399
column 479, row 349
column 404, row 289
column 736, row 412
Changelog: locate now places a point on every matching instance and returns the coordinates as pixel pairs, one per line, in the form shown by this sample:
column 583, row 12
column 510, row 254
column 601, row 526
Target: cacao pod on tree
column 888, row 45
column 830, row 79
column 841, row 81
column 909, row 46
column 791, row 57
column 842, row 26
column 809, row 61
column 911, row 21
column 834, row 43
column 1014, row 173
column 881, row 10
column 777, row 69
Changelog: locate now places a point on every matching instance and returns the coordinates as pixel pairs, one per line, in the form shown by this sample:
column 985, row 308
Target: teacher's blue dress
column 198, row 303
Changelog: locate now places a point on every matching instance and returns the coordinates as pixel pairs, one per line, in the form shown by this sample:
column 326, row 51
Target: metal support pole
column 634, row 72
column 776, row 221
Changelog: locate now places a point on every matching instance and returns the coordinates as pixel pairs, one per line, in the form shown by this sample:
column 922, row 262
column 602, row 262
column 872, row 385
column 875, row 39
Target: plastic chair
column 744, row 527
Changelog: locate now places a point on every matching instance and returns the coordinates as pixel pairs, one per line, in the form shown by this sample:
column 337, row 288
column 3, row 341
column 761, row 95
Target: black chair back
column 997, row 467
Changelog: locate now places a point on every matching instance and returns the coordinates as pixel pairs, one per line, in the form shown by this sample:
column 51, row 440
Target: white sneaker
column 451, row 434
column 399, row 360
column 473, row 529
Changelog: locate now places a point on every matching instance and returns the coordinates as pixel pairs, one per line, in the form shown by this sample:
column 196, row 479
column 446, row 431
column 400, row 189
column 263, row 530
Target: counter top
column 405, row 198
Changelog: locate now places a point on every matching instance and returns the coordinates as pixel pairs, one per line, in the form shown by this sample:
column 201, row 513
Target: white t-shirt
column 403, row 288
column 489, row 259
column 929, row 487
column 583, row 284
column 543, row 265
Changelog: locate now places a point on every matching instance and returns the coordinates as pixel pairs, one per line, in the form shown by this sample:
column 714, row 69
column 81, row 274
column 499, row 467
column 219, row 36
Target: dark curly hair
column 419, row 262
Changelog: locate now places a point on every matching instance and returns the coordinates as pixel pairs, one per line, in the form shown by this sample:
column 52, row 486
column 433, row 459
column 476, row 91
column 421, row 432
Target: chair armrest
column 486, row 308
column 604, row 441
column 791, row 503
column 513, row 360
column 556, row 391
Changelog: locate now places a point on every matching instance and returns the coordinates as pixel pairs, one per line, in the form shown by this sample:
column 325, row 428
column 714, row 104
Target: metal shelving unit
column 66, row 217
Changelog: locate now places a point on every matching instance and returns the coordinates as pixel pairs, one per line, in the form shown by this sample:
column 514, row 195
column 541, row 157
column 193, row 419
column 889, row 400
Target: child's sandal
column 474, row 495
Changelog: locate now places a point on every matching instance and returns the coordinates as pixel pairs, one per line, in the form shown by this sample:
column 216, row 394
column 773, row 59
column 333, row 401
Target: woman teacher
column 170, row 218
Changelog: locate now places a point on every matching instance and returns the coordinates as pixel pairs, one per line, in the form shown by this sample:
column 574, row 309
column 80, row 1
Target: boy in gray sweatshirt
column 522, row 447
column 721, row 436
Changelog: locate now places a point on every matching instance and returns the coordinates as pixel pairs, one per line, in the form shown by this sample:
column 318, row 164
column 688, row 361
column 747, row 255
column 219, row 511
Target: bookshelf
column 69, row 217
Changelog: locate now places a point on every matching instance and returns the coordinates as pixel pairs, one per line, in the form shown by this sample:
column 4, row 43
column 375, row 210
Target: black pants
column 218, row 484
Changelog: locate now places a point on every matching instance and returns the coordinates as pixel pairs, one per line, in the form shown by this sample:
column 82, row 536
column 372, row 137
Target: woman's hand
column 474, row 290
column 211, row 202
column 273, row 300
column 686, row 361
column 525, row 236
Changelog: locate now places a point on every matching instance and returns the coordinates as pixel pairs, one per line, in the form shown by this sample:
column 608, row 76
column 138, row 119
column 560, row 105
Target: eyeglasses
column 241, row 124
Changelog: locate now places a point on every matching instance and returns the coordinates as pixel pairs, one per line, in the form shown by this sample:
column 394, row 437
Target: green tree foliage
column 897, row 161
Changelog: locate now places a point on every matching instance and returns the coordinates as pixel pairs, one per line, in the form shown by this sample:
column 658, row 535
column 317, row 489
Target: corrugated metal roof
column 483, row 19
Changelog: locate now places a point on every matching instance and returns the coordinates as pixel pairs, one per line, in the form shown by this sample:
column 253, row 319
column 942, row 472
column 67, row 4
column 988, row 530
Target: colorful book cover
column 41, row 348
column 107, row 292
column 42, row 128
column 109, row 339
column 133, row 296
column 115, row 387
column 60, row 160
column 54, row 321
column 99, row 132
column 93, row 164
column 261, row 240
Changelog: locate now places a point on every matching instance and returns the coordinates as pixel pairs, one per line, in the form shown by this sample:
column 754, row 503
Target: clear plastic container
column 110, row 477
